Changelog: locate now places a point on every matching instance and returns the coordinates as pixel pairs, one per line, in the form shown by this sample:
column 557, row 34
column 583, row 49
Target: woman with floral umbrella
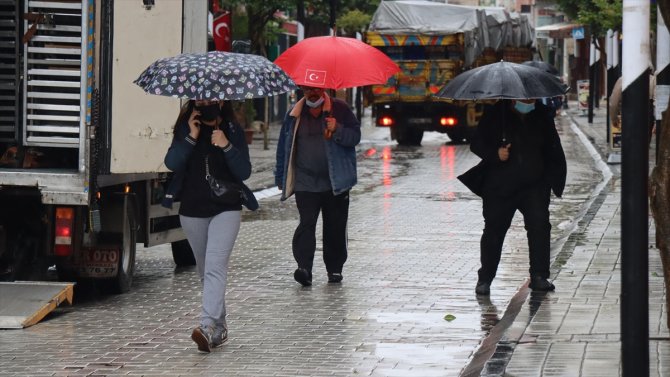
column 208, row 154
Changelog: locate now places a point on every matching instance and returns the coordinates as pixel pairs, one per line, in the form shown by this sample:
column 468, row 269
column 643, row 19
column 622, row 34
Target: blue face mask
column 524, row 108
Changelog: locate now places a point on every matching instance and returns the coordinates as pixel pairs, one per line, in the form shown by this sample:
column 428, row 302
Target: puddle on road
column 422, row 354
column 272, row 209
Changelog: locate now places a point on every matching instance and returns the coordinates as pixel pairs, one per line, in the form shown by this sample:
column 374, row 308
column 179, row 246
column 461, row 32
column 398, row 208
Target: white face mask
column 314, row 104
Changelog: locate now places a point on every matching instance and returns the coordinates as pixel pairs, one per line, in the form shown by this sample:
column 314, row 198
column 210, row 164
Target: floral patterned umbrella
column 215, row 75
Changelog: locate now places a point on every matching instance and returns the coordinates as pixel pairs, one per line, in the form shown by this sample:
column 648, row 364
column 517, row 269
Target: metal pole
column 266, row 125
column 333, row 17
column 597, row 75
column 634, row 203
column 616, row 54
column 592, row 62
column 662, row 74
column 610, row 76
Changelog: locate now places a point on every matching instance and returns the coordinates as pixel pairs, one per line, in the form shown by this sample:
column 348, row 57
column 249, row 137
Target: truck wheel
column 409, row 136
column 182, row 254
column 126, row 267
column 457, row 136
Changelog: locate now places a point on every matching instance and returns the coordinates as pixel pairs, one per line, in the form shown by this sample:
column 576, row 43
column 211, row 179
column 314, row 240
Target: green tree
column 259, row 14
column 315, row 14
column 598, row 15
column 353, row 21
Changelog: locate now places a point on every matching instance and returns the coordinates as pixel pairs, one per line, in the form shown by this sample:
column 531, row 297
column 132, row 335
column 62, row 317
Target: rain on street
column 406, row 307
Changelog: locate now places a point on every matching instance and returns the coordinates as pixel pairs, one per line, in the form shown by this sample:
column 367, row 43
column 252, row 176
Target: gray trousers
column 212, row 240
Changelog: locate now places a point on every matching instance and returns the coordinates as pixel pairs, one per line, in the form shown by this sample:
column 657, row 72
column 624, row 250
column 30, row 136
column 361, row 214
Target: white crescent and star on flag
column 225, row 33
column 314, row 77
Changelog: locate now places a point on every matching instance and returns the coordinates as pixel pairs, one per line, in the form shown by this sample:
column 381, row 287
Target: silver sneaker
column 219, row 337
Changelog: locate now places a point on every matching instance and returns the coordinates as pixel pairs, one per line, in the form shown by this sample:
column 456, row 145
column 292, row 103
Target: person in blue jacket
column 316, row 161
column 205, row 133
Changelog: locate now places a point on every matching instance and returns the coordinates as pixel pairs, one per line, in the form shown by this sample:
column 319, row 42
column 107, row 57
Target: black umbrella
column 543, row 66
column 503, row 80
column 215, row 75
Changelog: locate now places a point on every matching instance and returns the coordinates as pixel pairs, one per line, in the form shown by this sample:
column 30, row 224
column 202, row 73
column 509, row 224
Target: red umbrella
column 336, row 63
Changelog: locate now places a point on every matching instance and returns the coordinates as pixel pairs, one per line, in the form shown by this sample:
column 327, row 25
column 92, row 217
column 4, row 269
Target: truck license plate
column 98, row 263
column 419, row 120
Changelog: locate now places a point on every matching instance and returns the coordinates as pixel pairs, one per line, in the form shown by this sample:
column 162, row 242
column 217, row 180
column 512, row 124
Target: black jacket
column 536, row 154
column 237, row 160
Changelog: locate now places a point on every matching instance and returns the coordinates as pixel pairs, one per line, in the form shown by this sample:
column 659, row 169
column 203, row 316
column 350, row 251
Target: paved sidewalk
column 575, row 331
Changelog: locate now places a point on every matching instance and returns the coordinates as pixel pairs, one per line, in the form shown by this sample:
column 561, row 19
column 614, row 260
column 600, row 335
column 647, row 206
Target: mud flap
column 25, row 303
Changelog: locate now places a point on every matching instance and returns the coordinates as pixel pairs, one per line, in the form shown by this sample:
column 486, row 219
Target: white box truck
column 81, row 173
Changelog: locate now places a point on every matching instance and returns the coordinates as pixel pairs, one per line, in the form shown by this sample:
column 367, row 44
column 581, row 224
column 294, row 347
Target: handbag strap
column 207, row 175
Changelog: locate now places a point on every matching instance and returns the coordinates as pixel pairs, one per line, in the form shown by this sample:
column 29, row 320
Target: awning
column 560, row 30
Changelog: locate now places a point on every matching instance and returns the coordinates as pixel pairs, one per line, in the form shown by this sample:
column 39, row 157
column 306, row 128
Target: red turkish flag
column 315, row 77
column 221, row 32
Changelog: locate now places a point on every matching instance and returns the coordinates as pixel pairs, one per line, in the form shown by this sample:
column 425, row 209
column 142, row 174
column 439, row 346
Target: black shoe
column 203, row 338
column 483, row 288
column 538, row 283
column 334, row 277
column 302, row 276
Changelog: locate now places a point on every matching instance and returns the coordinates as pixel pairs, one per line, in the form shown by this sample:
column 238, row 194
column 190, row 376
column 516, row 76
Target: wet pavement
column 406, row 306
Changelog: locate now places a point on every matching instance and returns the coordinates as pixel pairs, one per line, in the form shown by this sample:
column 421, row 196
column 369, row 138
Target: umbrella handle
column 327, row 134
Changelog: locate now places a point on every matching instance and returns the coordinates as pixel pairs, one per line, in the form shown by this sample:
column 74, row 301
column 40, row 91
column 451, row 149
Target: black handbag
column 474, row 178
column 223, row 192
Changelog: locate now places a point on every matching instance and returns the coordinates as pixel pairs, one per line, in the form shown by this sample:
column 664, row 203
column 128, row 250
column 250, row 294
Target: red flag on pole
column 221, row 31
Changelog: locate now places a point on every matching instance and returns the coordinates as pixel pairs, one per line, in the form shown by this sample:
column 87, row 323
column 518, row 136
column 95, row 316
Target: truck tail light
column 448, row 121
column 385, row 121
column 63, row 231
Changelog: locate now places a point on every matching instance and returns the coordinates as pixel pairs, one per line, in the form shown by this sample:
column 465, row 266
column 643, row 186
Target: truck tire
column 127, row 242
column 457, row 136
column 409, row 136
column 182, row 254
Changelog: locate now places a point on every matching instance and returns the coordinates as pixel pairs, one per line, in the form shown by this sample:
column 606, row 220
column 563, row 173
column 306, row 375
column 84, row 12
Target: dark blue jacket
column 237, row 159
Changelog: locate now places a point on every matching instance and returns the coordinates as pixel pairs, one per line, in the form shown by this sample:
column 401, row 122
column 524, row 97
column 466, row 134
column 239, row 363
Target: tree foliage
column 598, row 15
column 259, row 15
column 350, row 13
column 353, row 21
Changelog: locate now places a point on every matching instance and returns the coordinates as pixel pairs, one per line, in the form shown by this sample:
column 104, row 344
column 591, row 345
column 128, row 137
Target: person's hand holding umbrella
column 331, row 126
column 503, row 152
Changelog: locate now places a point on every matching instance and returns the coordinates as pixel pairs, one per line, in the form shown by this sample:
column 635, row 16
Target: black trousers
column 533, row 203
column 335, row 209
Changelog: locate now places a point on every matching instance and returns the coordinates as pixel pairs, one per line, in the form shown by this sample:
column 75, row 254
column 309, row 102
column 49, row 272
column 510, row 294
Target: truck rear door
column 9, row 71
column 55, row 71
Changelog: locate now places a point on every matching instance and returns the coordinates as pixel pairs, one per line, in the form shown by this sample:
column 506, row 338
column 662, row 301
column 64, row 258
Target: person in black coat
column 522, row 162
column 208, row 142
